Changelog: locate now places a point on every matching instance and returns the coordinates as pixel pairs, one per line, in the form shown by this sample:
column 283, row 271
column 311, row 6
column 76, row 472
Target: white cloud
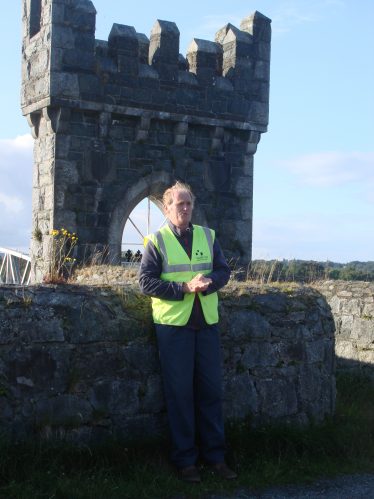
column 332, row 168
column 22, row 144
column 15, row 191
column 12, row 204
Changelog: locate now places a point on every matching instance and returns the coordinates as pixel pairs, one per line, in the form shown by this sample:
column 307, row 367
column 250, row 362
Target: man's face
column 179, row 212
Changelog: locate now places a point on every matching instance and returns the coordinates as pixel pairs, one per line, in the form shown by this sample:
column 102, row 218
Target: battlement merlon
column 64, row 66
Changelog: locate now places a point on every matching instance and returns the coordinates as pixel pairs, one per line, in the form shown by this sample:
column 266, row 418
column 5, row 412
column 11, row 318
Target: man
column 182, row 268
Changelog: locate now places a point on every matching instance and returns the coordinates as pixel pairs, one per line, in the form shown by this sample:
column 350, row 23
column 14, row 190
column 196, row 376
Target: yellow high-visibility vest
column 177, row 266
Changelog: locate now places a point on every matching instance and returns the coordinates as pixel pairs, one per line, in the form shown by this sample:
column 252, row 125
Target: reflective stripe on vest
column 198, row 267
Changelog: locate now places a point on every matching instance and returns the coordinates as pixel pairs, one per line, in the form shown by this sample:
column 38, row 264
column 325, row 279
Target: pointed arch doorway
column 145, row 218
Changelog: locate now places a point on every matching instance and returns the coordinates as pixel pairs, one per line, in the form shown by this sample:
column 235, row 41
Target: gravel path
column 344, row 487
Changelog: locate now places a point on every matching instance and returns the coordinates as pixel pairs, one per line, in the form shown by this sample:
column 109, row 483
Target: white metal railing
column 15, row 267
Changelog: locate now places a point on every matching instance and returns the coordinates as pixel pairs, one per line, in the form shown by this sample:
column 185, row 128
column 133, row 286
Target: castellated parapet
column 116, row 121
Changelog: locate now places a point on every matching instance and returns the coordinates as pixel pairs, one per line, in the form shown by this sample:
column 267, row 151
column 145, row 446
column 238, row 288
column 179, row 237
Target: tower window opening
column 35, row 17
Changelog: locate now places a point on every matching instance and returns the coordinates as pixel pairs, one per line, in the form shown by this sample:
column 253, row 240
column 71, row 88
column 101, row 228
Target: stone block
column 335, row 304
column 127, row 65
column 248, row 324
column 237, row 49
column 66, row 172
column 346, row 326
column 38, row 65
column 238, row 106
column 167, row 73
column 85, row 42
column 6, row 409
column 221, row 33
column 204, row 59
column 151, row 395
column 58, row 13
column 353, row 306
column 277, row 397
column 271, row 302
column 123, row 40
column 246, row 209
column 258, row 26
column 308, row 386
column 217, row 176
column 262, row 71
column 187, row 78
column 366, row 357
column 64, row 85
column 362, row 330
column 146, row 71
column 223, row 84
column 242, row 388
column 259, row 355
column 258, row 112
column 315, row 351
column 63, row 37
column 124, row 397
column 81, row 16
column 62, row 410
column 78, row 60
column 164, row 44
column 243, row 187
column 262, row 50
column 143, row 44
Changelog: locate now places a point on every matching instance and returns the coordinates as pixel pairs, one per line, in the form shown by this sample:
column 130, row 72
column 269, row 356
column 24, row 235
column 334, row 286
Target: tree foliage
column 308, row 270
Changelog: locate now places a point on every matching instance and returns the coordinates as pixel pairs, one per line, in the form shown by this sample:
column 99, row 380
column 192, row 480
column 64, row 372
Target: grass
column 263, row 457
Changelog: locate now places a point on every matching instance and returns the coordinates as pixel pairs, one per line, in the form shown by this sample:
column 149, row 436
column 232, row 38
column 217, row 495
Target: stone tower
column 116, row 121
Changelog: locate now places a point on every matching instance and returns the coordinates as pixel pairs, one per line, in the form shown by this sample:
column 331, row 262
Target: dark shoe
column 189, row 474
column 223, row 471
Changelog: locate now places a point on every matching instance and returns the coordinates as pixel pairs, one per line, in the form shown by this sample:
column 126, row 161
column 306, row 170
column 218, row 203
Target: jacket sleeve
column 149, row 277
column 221, row 271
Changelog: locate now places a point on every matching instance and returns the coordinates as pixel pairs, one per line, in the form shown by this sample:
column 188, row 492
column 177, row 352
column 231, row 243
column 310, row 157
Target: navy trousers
column 192, row 380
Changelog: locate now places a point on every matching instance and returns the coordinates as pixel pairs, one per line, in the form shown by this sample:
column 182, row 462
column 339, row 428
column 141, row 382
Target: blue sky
column 314, row 168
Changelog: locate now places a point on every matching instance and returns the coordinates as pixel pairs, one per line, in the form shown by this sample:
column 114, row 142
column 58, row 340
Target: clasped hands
column 198, row 284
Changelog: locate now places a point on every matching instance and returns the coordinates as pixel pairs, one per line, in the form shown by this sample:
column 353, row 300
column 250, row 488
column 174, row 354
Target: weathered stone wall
column 352, row 305
column 81, row 362
column 118, row 120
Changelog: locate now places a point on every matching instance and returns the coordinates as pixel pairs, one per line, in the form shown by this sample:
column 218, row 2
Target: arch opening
column 145, row 187
column 145, row 218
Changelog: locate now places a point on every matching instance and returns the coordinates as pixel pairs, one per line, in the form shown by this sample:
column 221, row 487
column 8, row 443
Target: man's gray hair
column 167, row 197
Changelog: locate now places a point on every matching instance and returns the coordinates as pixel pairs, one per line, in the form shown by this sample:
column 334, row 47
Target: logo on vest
column 200, row 257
